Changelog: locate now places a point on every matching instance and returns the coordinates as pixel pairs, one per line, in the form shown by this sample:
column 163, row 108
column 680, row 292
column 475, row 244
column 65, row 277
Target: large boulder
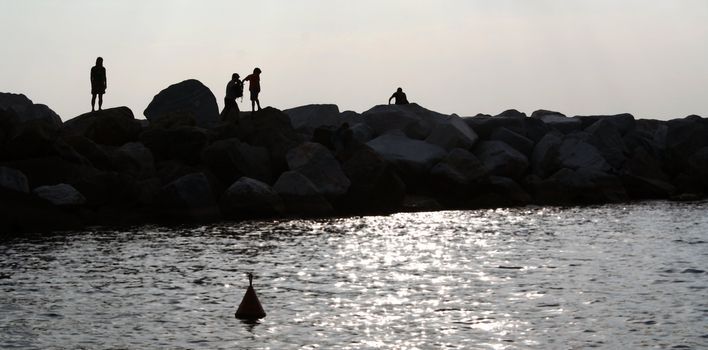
column 114, row 126
column 13, row 179
column 414, row 120
column 250, row 198
column 60, row 194
column 451, row 132
column 231, row 159
column 518, row 142
column 269, row 128
column 52, row 170
column 307, row 118
column 399, row 149
column 189, row 96
column 575, row 153
column 375, row 186
column 183, row 143
column 23, row 110
column 110, row 189
column 558, row 121
column 189, row 198
column 685, row 137
column 135, row 160
column 544, row 159
column 28, row 130
column 315, row 162
column 459, row 167
column 98, row 156
column 26, row 213
column 301, row 196
column 607, row 138
column 584, row 185
column 643, row 176
column 501, row 159
column 623, row 123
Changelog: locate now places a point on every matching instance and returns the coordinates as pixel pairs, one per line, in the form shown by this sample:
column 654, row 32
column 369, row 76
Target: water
column 612, row 277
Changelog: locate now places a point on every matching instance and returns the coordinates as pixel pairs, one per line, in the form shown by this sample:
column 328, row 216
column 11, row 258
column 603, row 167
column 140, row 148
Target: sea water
column 614, row 277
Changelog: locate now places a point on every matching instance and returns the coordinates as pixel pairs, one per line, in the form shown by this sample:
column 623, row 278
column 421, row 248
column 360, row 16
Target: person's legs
column 100, row 101
column 93, row 102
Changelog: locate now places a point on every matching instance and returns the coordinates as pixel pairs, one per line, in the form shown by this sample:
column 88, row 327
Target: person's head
column 257, row 71
column 99, row 61
column 235, row 76
column 399, row 90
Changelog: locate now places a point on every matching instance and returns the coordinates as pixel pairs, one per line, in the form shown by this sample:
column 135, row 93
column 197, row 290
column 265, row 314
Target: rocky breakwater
column 185, row 164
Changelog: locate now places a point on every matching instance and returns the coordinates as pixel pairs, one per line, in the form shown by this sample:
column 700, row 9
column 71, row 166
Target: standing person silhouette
column 400, row 97
column 254, row 86
column 234, row 90
column 98, row 83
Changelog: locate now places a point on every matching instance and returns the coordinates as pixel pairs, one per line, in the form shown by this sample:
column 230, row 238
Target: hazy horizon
column 645, row 57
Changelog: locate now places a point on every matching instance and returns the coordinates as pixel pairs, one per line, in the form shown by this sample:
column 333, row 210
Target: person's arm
column 391, row 98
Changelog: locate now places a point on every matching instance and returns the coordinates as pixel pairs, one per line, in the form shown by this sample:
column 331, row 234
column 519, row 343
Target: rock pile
column 186, row 164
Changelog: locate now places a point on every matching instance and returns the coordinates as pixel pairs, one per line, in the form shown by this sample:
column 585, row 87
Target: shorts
column 254, row 95
column 98, row 90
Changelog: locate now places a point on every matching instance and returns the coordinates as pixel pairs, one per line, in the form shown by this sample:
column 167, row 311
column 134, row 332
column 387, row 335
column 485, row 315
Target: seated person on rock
column 400, row 97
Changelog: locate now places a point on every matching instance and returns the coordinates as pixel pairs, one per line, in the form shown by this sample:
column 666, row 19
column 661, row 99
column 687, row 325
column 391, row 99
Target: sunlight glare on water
column 614, row 277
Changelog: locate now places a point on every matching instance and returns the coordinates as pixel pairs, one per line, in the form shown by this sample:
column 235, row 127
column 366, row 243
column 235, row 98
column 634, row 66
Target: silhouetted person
column 400, row 97
column 254, row 86
column 234, row 90
column 98, row 83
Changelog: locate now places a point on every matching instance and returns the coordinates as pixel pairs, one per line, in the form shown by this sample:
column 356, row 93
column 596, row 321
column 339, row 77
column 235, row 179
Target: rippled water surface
column 613, row 277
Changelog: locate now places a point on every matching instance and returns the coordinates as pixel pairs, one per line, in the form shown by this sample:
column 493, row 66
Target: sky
column 579, row 57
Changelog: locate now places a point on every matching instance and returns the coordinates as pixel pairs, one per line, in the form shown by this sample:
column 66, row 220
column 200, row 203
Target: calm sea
column 612, row 277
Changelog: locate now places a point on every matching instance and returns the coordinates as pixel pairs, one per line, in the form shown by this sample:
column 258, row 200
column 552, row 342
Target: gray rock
column 231, row 159
column 574, row 153
column 519, row 142
column 24, row 110
column 362, row 133
column 415, row 121
column 544, row 159
column 401, row 150
column 607, row 138
column 188, row 198
column 452, row 132
column 501, row 159
column 189, row 96
column 585, row 185
column 135, row 160
column 301, row 195
column 461, row 167
column 561, row 123
column 375, row 185
column 623, row 123
column 13, row 179
column 248, row 198
column 308, row 118
column 113, row 126
column 315, row 162
column 61, row 194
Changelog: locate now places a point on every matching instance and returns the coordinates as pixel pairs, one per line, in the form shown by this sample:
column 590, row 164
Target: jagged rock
column 307, row 118
column 231, row 159
column 510, row 190
column 459, row 167
column 184, row 143
column 574, row 153
column 643, row 177
column 269, row 128
column 374, row 185
column 683, row 138
column 109, row 189
column 173, row 120
column 300, row 195
column 585, row 185
column 114, row 126
column 52, row 170
column 13, row 179
column 362, row 133
column 415, row 121
column 501, row 159
column 511, row 113
column 698, row 163
column 188, row 198
column 559, row 121
column 399, row 149
column 319, row 165
column 623, row 123
column 544, row 159
column 452, row 132
column 135, row 160
column 60, row 194
column 24, row 110
column 607, row 138
column 98, row 156
column 518, row 142
column 189, row 96
column 249, row 198
column 26, row 213
column 539, row 114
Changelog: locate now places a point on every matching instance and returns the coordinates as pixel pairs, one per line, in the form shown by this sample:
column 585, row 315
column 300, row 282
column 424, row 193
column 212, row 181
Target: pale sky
column 645, row 57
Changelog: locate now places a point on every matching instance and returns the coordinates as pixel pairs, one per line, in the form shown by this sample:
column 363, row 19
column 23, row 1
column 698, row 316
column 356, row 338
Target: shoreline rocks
column 184, row 164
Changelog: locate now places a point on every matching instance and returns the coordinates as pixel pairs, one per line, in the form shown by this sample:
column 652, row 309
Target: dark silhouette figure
column 234, row 90
column 98, row 83
column 250, row 307
column 400, row 97
column 254, row 86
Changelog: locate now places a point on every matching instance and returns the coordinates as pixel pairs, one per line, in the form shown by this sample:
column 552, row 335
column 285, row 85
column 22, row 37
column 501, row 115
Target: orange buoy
column 250, row 307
